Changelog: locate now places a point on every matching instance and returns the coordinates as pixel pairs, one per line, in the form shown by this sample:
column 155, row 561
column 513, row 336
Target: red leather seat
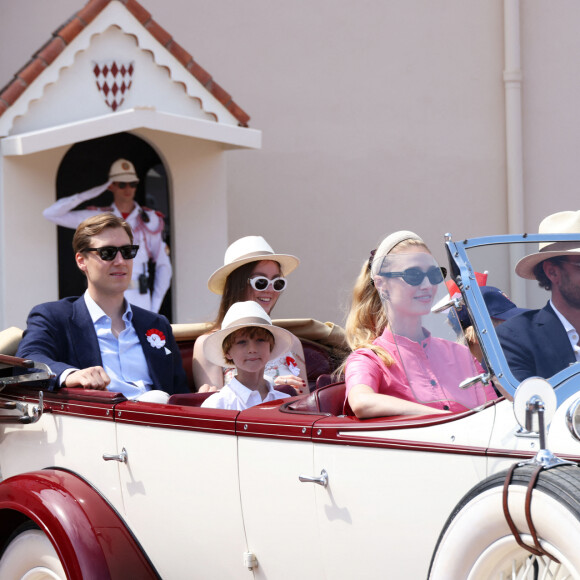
column 188, row 399
column 331, row 398
column 326, row 400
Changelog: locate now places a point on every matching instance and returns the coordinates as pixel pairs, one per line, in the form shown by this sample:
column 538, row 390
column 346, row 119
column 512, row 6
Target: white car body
column 207, row 493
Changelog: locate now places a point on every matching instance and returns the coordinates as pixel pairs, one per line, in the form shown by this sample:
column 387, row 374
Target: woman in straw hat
column 397, row 367
column 251, row 271
column 247, row 340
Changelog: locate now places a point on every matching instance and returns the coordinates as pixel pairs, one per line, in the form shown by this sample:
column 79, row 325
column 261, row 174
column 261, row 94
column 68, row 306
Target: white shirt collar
column 567, row 326
column 570, row 331
column 243, row 393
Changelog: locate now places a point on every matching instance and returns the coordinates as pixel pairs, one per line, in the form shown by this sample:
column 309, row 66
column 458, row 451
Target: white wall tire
column 477, row 544
column 31, row 556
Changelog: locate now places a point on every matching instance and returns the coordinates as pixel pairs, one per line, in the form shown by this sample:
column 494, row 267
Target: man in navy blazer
column 535, row 344
column 543, row 342
column 98, row 340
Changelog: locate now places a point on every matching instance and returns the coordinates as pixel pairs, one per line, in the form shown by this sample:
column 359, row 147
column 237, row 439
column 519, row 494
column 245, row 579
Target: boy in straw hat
column 543, row 342
column 247, row 340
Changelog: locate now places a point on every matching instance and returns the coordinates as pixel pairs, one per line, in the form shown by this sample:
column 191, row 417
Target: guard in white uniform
column 147, row 228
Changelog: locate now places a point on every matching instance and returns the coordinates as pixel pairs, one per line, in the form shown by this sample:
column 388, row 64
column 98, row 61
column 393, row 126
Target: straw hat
column 564, row 222
column 243, row 251
column 242, row 315
column 123, row 171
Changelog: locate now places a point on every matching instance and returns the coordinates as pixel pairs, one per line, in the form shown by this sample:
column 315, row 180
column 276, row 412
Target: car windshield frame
column 462, row 272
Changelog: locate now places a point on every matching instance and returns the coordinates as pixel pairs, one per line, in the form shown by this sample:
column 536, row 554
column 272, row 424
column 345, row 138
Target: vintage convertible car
column 93, row 486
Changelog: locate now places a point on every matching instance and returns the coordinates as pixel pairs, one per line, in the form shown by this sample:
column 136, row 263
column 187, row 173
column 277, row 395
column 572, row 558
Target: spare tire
column 477, row 543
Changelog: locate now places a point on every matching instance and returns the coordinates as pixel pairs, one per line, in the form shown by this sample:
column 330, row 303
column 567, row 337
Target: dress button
column 433, row 382
column 446, row 407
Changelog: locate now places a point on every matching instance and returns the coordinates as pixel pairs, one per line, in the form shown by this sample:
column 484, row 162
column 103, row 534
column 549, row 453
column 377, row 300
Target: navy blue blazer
column 62, row 335
column 535, row 344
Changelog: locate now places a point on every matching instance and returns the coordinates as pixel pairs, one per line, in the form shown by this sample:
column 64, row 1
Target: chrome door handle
column 122, row 457
column 322, row 480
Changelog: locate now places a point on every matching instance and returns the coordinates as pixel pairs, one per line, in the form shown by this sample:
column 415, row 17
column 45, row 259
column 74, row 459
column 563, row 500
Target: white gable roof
column 64, row 103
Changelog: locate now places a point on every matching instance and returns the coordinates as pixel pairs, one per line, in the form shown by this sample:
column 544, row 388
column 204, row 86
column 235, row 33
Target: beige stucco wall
column 197, row 180
column 551, row 107
column 375, row 116
column 30, row 272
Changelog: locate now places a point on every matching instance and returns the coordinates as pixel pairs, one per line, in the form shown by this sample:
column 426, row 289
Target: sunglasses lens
column 413, row 276
column 260, row 283
column 279, row 284
column 107, row 253
column 435, row 275
column 128, row 252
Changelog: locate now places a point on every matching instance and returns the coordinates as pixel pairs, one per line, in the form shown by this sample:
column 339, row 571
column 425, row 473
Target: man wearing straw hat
column 543, row 342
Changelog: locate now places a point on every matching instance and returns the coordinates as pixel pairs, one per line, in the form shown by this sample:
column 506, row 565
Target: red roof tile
column 138, row 11
column 10, row 93
column 69, row 31
column 51, row 50
column 62, row 37
column 158, row 32
column 31, row 71
column 91, row 10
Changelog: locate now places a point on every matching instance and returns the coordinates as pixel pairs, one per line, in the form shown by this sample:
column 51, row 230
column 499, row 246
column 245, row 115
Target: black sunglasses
column 414, row 276
column 124, row 184
column 108, row 253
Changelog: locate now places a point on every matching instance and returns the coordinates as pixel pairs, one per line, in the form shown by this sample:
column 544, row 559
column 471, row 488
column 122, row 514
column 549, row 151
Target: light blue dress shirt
column 123, row 357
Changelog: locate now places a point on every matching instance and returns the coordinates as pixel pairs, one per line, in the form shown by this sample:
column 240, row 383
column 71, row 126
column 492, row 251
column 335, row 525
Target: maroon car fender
column 90, row 538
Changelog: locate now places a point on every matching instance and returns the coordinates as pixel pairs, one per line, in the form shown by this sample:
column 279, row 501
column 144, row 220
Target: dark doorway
column 86, row 165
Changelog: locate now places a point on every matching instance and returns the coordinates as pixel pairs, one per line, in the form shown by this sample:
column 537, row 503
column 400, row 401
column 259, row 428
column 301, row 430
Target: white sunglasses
column 261, row 283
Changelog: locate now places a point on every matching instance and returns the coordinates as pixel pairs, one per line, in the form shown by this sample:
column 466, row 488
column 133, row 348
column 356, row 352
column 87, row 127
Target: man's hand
column 90, row 378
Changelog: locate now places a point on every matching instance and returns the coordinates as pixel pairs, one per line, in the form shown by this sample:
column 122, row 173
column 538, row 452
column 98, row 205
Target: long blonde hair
column 367, row 318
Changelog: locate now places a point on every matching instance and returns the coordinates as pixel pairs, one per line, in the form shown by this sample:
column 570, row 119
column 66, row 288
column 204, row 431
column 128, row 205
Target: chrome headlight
column 573, row 419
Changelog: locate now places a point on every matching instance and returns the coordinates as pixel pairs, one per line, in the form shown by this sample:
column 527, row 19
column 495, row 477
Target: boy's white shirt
column 237, row 397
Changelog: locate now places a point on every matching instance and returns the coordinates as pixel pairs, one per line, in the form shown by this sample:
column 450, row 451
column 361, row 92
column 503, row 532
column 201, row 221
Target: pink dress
column 427, row 372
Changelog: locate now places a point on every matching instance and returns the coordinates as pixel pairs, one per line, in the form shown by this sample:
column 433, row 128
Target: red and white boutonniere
column 156, row 339
column 291, row 364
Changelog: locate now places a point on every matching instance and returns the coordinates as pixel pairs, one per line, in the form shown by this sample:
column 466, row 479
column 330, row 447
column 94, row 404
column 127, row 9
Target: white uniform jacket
column 147, row 234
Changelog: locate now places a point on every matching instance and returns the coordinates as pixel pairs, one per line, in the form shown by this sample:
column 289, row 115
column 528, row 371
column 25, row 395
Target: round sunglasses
column 261, row 283
column 414, row 276
column 108, row 253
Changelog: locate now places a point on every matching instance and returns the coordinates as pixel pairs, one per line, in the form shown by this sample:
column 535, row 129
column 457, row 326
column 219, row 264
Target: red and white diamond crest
column 114, row 80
